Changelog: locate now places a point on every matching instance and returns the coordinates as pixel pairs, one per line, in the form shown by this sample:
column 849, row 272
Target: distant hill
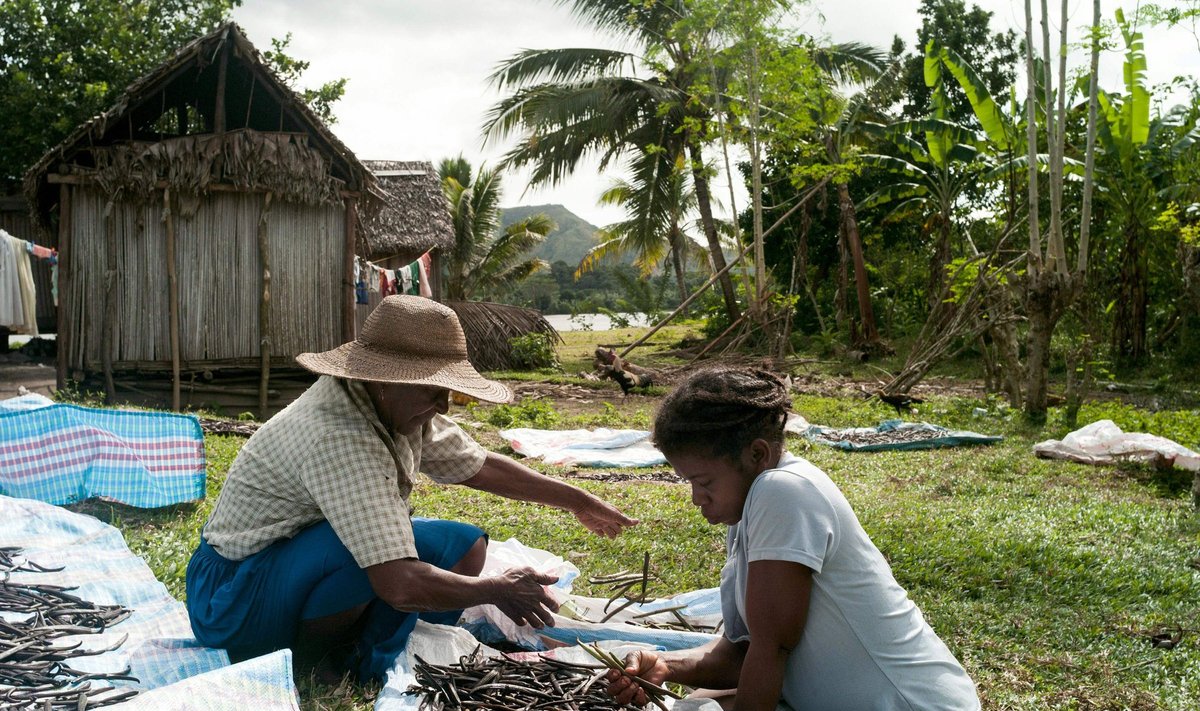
column 573, row 238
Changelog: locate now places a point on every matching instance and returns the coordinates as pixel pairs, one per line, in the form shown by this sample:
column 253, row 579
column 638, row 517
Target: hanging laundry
column 410, row 279
column 406, row 280
column 425, row 264
column 415, row 268
column 12, row 310
column 47, row 254
column 18, row 295
column 41, row 252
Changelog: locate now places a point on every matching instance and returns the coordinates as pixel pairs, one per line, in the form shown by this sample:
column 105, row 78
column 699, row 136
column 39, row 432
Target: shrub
column 533, row 350
column 538, row 414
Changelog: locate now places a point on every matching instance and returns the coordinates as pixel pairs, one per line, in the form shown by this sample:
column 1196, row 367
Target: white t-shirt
column 865, row 646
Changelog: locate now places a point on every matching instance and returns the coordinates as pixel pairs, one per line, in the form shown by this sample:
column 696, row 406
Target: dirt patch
column 571, row 400
column 33, row 376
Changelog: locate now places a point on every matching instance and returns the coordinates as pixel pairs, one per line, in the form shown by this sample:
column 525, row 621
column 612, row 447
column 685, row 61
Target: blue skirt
column 253, row 606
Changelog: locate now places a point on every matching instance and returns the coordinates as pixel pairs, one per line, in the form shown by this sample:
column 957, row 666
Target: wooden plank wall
column 219, row 279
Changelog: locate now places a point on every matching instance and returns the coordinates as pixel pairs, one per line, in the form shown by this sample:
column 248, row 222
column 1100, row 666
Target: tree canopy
column 63, row 62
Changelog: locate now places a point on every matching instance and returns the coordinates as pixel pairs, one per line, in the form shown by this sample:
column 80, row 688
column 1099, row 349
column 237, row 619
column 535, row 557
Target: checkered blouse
column 327, row 456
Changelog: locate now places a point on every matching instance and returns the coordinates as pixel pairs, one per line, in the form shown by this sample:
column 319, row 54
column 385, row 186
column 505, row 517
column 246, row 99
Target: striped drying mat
column 61, row 454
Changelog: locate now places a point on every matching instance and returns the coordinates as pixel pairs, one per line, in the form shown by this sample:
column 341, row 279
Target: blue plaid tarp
column 160, row 649
column 61, row 454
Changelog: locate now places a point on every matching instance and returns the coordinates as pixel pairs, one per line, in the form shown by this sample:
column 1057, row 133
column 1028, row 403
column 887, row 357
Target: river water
column 591, row 322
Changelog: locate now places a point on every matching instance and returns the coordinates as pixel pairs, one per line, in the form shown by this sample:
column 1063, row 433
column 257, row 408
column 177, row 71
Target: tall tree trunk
column 1051, row 287
column 1041, row 328
column 866, row 315
column 1078, row 383
column 704, row 204
column 938, row 262
column 677, row 261
column 841, row 299
column 1129, row 332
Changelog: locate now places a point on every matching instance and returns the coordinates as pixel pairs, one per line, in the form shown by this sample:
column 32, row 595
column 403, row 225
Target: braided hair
column 721, row 410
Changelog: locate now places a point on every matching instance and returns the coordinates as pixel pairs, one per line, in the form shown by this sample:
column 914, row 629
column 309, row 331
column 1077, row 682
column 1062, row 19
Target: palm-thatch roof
column 415, row 215
column 213, row 112
column 489, row 327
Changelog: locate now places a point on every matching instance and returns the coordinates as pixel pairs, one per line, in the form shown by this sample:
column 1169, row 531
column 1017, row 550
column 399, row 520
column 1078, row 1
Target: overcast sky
column 418, row 69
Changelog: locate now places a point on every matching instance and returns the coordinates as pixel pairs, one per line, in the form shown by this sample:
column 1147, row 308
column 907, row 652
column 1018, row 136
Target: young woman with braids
column 814, row 618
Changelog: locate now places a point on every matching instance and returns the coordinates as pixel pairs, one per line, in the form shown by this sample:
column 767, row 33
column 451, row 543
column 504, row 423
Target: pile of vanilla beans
column 622, row 586
column 862, row 439
column 501, row 683
column 34, row 673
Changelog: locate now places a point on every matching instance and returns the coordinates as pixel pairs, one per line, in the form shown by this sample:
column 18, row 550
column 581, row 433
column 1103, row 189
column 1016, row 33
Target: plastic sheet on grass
column 1103, row 442
column 895, row 435
column 159, row 649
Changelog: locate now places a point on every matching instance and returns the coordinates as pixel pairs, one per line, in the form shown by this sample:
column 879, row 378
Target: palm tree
column 571, row 103
column 485, row 259
column 844, row 123
column 657, row 200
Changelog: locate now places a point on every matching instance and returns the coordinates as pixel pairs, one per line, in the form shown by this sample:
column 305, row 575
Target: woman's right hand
column 521, row 594
column 644, row 664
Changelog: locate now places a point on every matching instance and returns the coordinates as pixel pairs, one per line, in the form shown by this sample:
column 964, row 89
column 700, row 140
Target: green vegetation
column 486, row 258
column 533, row 350
column 1047, row 579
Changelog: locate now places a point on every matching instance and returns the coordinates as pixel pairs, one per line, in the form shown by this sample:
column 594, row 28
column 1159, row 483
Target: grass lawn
column 1046, row 579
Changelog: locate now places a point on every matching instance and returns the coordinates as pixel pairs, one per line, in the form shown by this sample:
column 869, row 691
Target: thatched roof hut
column 213, row 112
column 207, row 222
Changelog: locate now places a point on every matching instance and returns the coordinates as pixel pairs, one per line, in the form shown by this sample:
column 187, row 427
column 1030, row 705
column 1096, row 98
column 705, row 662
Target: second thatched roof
column 415, row 216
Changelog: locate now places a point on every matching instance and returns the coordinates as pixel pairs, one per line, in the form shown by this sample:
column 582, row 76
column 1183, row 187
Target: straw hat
column 413, row 340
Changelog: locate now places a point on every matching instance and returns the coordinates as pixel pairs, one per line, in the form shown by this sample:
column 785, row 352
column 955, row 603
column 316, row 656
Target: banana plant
column 846, row 123
column 1134, row 178
column 932, row 175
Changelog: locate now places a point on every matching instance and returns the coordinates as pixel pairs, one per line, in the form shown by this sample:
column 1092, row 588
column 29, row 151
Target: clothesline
column 410, row 279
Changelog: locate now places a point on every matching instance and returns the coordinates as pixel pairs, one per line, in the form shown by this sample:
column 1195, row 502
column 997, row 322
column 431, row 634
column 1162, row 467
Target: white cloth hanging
column 28, row 288
column 12, row 308
column 18, row 296
column 424, row 285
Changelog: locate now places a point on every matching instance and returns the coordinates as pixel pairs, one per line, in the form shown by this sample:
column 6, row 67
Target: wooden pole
column 110, row 300
column 264, row 309
column 435, row 274
column 62, row 338
column 172, row 298
column 222, row 72
column 348, row 325
column 688, row 301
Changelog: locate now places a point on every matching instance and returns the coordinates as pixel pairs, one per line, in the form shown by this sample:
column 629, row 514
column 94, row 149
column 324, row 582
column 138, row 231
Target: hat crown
column 408, row 340
column 403, row 325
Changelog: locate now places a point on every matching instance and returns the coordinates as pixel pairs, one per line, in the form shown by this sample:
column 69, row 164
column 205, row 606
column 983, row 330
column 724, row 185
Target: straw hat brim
column 356, row 361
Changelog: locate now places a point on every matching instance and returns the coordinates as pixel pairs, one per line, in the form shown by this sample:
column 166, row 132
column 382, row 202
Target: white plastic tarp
column 1103, row 442
column 600, row 447
column 439, row 644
